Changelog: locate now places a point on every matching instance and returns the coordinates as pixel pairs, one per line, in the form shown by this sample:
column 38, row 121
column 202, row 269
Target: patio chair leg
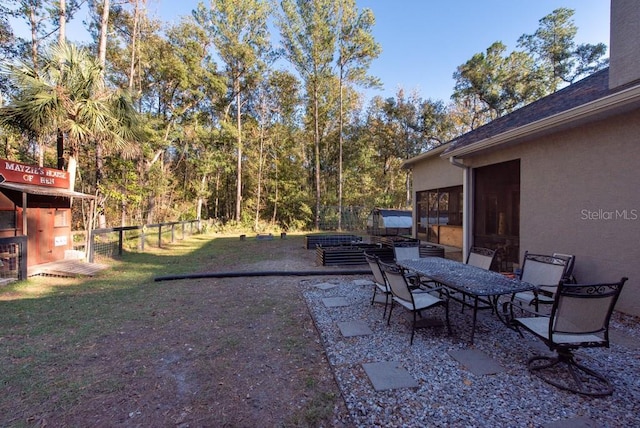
column 390, row 310
column 475, row 318
column 386, row 303
column 386, row 300
column 577, row 377
column 446, row 313
column 413, row 328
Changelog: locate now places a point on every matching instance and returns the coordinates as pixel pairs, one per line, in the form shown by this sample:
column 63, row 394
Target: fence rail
column 110, row 242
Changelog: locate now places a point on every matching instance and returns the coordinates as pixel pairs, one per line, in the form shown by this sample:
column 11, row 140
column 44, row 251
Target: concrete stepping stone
column 362, row 282
column 335, row 302
column 476, row 362
column 354, row 328
column 325, row 286
column 388, row 375
column 623, row 339
column 573, row 423
column 381, row 298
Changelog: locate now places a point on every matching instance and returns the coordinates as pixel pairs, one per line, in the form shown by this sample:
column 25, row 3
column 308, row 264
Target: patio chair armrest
column 441, row 291
column 509, row 315
column 545, row 290
column 426, row 282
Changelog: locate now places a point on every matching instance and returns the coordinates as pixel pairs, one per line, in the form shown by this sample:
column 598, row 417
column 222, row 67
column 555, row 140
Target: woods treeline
column 249, row 111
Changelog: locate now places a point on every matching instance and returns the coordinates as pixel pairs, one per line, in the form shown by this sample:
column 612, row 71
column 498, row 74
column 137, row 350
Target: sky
column 424, row 41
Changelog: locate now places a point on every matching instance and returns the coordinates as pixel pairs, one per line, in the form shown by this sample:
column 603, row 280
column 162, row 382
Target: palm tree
column 67, row 96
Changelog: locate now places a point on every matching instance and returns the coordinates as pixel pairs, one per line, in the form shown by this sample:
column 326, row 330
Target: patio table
column 479, row 284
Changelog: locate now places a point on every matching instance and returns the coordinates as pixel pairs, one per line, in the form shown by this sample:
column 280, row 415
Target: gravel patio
column 447, row 392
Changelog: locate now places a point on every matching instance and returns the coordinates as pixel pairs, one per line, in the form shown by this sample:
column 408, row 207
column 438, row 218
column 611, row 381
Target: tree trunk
column 275, row 192
column 134, row 37
column 259, row 192
column 102, row 57
column 62, row 37
column 104, row 30
column 200, row 201
column 316, row 120
column 60, row 148
column 72, row 167
column 216, row 204
column 34, row 37
column 239, row 165
column 340, row 143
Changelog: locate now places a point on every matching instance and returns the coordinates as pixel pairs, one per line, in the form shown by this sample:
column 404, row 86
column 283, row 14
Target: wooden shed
column 35, row 202
column 389, row 222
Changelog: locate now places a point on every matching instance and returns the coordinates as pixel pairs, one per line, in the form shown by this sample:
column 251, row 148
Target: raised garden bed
column 345, row 255
column 431, row 251
column 389, row 241
column 327, row 240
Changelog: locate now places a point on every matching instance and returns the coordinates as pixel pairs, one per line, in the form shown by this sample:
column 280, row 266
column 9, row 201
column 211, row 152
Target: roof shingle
column 589, row 89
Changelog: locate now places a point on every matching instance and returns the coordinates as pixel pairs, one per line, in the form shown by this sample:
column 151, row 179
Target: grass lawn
column 122, row 349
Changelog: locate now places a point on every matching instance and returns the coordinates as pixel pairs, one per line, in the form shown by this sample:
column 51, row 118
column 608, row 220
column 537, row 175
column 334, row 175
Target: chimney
column 624, row 52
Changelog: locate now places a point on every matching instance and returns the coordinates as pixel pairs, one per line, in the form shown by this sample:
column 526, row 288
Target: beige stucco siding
column 435, row 173
column 580, row 194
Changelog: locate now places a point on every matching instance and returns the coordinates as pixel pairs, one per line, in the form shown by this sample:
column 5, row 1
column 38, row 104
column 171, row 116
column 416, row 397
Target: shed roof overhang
column 602, row 108
column 14, row 192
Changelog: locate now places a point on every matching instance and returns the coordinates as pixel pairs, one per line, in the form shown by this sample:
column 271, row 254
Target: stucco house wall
column 435, row 172
column 580, row 194
column 429, row 172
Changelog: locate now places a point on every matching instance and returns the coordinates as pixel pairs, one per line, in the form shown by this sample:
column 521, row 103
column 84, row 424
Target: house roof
column 586, row 100
column 436, row 151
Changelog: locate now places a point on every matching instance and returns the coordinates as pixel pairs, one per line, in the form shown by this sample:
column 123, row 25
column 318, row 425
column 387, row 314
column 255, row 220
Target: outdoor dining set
column 543, row 299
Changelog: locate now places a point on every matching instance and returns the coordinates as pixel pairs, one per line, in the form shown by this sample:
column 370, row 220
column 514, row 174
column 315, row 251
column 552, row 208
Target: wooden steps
column 66, row 268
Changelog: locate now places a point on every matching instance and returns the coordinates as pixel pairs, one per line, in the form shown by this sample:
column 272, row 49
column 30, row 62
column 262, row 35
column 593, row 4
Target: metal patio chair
column 406, row 250
column 579, row 319
column 482, row 258
column 380, row 281
column 568, row 271
column 414, row 301
column 409, row 251
column 543, row 271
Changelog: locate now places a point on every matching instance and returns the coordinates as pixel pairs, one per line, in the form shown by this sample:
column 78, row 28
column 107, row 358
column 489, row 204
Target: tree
column 284, row 155
column 69, row 95
column 43, row 18
column 356, row 48
column 308, row 37
column 501, row 83
column 8, row 49
column 493, row 83
column 378, row 168
column 554, row 48
column 238, row 30
column 180, row 95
